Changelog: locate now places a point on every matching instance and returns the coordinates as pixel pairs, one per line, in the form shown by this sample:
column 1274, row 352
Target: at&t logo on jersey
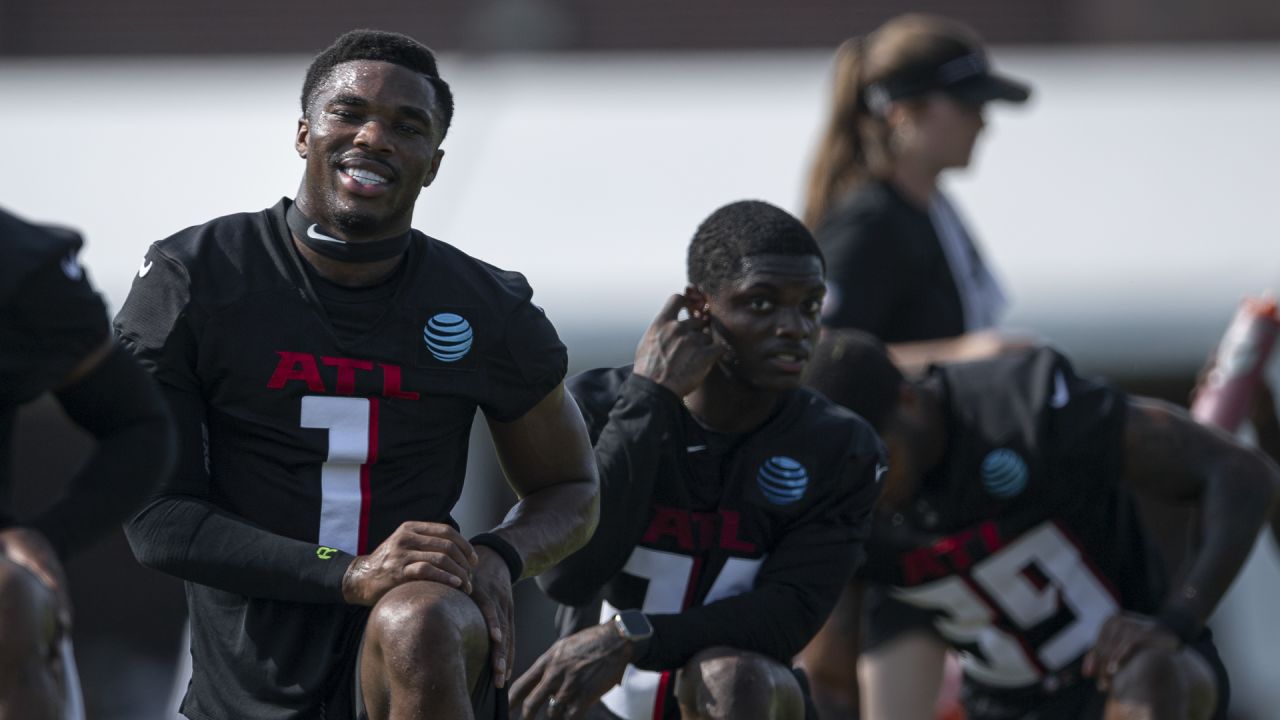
column 782, row 480
column 1004, row 473
column 448, row 337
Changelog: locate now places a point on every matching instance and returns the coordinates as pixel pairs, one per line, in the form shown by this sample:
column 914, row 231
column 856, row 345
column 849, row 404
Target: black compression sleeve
column 182, row 532
column 627, row 453
column 118, row 404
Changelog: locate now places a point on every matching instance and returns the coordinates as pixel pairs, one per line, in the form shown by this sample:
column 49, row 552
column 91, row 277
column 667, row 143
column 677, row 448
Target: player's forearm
column 549, row 525
column 1238, row 500
column 119, row 405
column 628, row 453
column 194, row 540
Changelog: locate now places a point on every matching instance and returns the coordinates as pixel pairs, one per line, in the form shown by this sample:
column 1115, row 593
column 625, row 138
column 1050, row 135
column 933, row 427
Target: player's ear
column 696, row 302
column 300, row 138
column 435, row 167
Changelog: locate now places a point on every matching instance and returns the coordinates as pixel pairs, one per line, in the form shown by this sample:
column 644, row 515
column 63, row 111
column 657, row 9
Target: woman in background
column 907, row 105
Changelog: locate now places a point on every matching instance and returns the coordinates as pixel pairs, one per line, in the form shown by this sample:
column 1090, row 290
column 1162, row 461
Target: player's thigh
column 28, row 614
column 728, row 682
column 1154, row 682
column 427, row 624
column 899, row 679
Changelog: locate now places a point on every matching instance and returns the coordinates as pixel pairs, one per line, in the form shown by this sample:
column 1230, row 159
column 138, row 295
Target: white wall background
column 1129, row 206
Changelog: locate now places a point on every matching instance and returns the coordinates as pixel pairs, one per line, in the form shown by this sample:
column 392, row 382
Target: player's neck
column 353, row 275
column 725, row 404
column 916, row 181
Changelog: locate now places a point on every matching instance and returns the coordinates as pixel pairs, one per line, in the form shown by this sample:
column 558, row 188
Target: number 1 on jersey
column 345, row 491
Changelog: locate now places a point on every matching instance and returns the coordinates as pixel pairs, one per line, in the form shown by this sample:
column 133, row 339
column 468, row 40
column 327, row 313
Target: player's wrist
column 504, row 550
column 635, row 630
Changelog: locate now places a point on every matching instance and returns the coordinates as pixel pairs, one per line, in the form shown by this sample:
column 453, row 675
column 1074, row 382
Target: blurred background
column 1127, row 208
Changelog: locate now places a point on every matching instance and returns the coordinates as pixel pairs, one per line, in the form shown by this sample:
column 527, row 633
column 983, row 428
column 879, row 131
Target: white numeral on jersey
column 669, row 576
column 344, row 477
column 1023, row 604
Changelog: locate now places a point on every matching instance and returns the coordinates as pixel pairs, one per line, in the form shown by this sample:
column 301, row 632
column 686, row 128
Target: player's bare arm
column 548, row 461
column 1173, row 458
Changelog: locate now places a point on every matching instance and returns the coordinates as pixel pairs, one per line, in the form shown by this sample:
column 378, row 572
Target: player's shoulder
column 465, row 274
column 27, row 247
column 598, row 387
column 220, row 240
column 831, row 423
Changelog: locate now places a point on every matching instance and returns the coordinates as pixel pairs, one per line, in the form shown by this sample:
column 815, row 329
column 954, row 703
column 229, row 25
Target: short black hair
column 853, row 369
column 385, row 46
column 739, row 230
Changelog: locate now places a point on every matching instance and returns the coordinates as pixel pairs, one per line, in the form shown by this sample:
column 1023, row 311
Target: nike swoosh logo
column 144, row 268
column 1060, row 394
column 696, row 448
column 71, row 268
column 317, row 235
column 880, row 471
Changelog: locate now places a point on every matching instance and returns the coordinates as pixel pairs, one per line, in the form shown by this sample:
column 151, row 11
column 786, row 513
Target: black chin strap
column 323, row 242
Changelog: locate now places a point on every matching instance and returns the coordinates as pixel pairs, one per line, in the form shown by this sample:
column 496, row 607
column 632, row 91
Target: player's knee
column 27, row 610
column 729, row 683
column 1178, row 682
column 422, row 620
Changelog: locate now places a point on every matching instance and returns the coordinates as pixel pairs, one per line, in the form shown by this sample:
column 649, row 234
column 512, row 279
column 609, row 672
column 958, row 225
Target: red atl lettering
column 347, row 372
column 294, row 366
column 697, row 531
column 391, row 383
column 955, row 553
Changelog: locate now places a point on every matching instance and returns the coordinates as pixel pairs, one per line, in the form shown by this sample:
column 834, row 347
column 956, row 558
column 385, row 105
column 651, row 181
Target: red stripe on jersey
column 664, row 684
column 366, row 477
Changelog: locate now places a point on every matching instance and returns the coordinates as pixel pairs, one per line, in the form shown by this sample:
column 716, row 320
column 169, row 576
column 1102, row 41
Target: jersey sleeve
column 628, row 432
column 865, row 273
column 62, row 320
column 798, row 584
column 532, row 363
column 182, row 530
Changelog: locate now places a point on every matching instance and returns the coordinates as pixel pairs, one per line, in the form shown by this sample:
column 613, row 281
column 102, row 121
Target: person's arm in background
column 1170, row 457
column 1266, row 427
column 915, row 357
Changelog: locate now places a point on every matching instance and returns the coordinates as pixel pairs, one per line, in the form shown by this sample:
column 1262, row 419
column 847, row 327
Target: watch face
column 635, row 624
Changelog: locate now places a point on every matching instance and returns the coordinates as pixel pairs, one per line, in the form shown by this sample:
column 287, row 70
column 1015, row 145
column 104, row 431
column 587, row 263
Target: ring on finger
column 551, row 705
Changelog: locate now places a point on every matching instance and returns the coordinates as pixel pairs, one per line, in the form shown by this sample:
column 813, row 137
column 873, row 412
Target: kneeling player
column 1008, row 533
column 733, row 502
column 54, row 337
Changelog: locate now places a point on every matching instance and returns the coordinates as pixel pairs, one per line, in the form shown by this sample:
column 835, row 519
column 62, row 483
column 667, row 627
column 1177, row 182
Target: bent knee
column 1181, row 681
column 427, row 615
column 729, row 683
column 28, row 614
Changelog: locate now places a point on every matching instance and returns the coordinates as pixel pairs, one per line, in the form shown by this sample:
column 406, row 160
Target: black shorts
column 347, row 700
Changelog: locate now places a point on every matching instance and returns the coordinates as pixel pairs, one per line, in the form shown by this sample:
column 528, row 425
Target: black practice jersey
column 303, row 445
column 1022, row 542
column 723, row 540
column 50, row 321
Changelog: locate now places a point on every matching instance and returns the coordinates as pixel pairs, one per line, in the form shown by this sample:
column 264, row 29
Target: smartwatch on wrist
column 633, row 625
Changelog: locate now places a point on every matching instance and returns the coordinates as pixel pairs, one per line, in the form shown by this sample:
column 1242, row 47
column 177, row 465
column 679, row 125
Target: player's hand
column 574, row 672
column 1122, row 637
column 675, row 353
column 492, row 594
column 29, row 549
column 434, row 552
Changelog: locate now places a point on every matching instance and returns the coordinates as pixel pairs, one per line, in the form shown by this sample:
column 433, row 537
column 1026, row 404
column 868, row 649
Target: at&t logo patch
column 1004, row 473
column 448, row 337
column 782, row 480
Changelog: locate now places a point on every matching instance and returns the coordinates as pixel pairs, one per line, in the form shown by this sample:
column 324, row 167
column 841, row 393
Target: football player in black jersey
column 1007, row 531
column 54, row 337
column 733, row 502
column 324, row 362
